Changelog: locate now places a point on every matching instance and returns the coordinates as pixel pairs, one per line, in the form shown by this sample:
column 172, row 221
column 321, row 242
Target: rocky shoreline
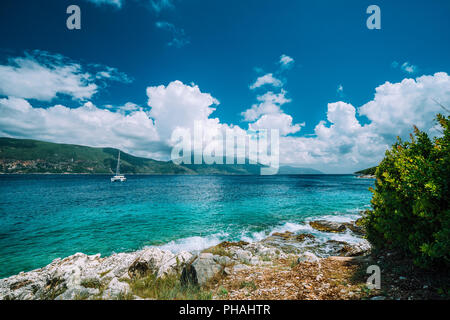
column 82, row 276
column 367, row 176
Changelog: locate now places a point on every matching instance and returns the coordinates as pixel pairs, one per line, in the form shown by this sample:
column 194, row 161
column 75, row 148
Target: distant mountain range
column 33, row 156
column 297, row 170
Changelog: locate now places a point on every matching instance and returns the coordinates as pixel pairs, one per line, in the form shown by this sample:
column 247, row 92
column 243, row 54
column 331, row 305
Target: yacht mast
column 118, row 165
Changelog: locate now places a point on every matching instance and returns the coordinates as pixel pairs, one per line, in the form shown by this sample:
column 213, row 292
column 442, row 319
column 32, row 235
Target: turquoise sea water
column 43, row 217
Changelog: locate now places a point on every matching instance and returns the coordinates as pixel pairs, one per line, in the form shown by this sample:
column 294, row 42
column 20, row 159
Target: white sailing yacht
column 118, row 177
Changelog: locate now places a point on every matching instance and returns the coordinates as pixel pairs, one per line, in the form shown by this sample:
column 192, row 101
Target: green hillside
column 368, row 171
column 32, row 156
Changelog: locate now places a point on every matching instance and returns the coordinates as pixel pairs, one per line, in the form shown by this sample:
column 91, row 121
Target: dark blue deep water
column 43, row 217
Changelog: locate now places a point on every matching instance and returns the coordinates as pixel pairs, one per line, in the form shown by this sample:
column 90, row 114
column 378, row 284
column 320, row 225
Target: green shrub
column 411, row 199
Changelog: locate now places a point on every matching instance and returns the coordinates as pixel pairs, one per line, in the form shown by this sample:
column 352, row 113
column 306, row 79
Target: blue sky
column 223, row 47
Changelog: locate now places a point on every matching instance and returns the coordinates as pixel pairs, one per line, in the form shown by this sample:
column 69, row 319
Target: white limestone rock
column 82, row 276
column 115, row 288
column 308, row 257
column 206, row 267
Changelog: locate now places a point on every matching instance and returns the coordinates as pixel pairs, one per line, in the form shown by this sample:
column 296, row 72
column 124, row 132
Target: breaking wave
column 199, row 243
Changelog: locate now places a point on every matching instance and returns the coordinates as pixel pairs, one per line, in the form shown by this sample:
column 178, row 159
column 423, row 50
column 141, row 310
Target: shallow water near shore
column 43, row 217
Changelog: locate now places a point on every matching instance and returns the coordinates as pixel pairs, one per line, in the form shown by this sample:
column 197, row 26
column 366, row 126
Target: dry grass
column 289, row 280
column 220, row 251
column 166, row 288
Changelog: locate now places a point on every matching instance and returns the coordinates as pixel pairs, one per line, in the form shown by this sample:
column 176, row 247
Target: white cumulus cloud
column 85, row 125
column 178, row 106
column 116, row 3
column 269, row 103
column 409, row 68
column 267, row 113
column 280, row 121
column 266, row 79
column 405, row 67
column 397, row 106
column 343, row 144
column 350, row 137
column 42, row 76
column 286, row 61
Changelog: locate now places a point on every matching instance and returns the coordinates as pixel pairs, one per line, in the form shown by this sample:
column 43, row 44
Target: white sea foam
column 194, row 244
column 337, row 217
column 198, row 243
column 287, row 226
column 253, row 236
column 346, row 237
column 292, row 227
